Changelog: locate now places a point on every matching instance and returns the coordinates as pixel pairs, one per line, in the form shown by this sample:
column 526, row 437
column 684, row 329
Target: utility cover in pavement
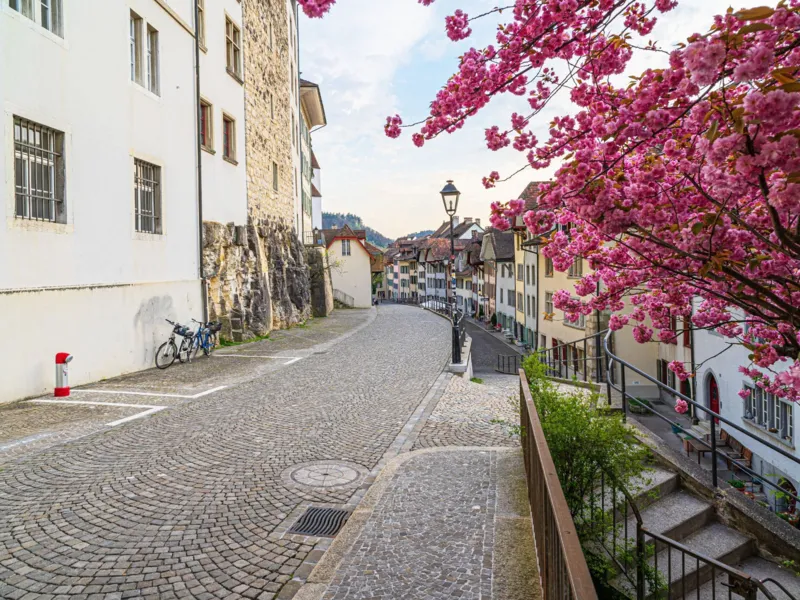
column 321, row 522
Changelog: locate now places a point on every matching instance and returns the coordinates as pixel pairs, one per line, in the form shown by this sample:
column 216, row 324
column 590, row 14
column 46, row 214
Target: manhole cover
column 325, row 474
column 321, row 522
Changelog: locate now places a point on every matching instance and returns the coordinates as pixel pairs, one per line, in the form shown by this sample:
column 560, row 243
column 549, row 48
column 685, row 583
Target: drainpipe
column 199, row 160
column 537, row 307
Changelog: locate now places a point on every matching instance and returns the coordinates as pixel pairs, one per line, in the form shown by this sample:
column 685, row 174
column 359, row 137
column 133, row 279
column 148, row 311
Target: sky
column 374, row 58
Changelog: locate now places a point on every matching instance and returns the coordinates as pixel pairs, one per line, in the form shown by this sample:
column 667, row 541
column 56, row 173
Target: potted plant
column 639, row 406
column 736, row 483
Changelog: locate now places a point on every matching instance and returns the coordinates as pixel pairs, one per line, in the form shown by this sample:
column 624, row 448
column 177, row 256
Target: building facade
column 351, row 264
column 83, row 262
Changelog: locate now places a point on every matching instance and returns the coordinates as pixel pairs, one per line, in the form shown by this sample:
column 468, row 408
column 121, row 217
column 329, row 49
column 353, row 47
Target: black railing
column 582, row 359
column 508, row 364
column 712, row 443
column 650, row 564
column 459, row 335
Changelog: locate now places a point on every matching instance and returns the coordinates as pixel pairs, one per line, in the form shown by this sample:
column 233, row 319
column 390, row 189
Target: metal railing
column 343, row 298
column 508, row 364
column 712, row 443
column 650, row 564
column 582, row 359
column 562, row 566
column 459, row 335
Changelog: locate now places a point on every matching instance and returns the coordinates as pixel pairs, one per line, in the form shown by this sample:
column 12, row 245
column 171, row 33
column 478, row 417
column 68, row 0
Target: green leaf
column 697, row 228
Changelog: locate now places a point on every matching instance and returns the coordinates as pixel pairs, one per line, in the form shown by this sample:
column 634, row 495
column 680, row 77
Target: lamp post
column 450, row 196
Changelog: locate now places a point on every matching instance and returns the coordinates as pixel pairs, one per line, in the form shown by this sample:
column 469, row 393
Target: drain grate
column 321, row 522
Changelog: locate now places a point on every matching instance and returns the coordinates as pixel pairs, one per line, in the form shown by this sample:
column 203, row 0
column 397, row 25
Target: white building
column 763, row 416
column 351, row 271
column 530, row 261
column 498, row 249
column 316, row 193
column 312, row 116
column 222, row 112
column 100, row 241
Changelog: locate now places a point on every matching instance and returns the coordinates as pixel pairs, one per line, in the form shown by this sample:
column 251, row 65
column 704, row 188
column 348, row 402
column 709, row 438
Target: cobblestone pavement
column 28, row 426
column 438, row 524
column 468, row 413
column 485, row 349
column 189, row 502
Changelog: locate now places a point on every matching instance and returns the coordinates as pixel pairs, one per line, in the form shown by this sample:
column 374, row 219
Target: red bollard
column 62, row 381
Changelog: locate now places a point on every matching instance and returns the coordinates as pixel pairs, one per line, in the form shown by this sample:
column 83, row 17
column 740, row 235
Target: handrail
column 554, row 363
column 779, row 584
column 562, row 565
column 714, row 417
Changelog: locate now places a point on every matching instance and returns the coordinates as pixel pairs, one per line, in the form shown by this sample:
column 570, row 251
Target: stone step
column 675, row 516
column 650, row 486
column 760, row 569
column 716, row 541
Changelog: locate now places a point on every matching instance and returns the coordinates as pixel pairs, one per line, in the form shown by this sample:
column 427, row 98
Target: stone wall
column 268, row 129
column 320, row 280
column 257, row 277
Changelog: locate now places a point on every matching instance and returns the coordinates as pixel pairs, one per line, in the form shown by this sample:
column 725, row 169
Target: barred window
column 38, row 172
column 147, row 196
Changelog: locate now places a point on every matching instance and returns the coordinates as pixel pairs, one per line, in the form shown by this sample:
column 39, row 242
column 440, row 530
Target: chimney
column 455, row 221
column 467, row 220
column 477, row 222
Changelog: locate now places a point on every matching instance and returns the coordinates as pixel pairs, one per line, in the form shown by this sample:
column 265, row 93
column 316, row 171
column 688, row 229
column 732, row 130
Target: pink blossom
column 681, row 406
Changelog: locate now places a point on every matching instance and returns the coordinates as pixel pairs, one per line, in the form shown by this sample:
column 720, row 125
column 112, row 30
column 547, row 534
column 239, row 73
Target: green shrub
column 476, row 380
column 493, row 320
column 584, row 440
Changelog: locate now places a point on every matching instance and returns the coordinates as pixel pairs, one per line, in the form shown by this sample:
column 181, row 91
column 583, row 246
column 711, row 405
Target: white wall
column 725, row 369
column 82, row 87
column 224, row 184
column 351, row 274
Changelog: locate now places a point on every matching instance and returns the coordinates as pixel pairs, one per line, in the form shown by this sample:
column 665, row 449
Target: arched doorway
column 713, row 395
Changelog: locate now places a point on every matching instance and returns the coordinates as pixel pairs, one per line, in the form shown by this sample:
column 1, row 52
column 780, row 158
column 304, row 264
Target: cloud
column 374, row 58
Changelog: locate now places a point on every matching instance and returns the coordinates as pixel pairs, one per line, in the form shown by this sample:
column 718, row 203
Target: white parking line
column 150, row 409
column 290, row 359
column 158, row 394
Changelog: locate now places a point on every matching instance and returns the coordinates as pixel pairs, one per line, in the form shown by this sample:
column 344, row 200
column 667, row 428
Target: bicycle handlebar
column 170, row 322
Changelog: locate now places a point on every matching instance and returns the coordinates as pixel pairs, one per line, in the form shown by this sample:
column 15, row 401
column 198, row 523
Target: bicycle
column 205, row 337
column 168, row 351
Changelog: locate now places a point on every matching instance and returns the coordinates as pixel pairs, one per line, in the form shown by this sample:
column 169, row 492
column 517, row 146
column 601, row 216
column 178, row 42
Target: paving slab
column 438, row 523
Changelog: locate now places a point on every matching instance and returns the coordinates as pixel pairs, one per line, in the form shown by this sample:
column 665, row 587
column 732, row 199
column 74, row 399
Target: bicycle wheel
column 183, row 352
column 194, row 344
column 210, row 344
column 165, row 355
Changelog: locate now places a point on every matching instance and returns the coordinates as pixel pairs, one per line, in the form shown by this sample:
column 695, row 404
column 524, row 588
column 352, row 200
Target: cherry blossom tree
column 680, row 187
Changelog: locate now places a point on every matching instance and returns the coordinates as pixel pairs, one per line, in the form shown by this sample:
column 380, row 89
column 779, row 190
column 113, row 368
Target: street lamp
column 450, row 196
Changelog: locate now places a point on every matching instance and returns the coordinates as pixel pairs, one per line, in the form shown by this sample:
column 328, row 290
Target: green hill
column 336, row 220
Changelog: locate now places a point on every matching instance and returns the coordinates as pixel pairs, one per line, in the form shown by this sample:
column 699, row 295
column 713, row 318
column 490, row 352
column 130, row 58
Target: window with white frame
column 38, row 172
column 519, row 272
column 548, row 267
column 345, row 247
column 147, row 197
column 135, row 41
column 580, row 323
column 233, row 48
column 151, row 64
column 750, row 404
column 773, row 413
column 548, row 302
column 48, row 16
column 527, row 274
column 510, row 297
column 576, row 268
column 519, row 301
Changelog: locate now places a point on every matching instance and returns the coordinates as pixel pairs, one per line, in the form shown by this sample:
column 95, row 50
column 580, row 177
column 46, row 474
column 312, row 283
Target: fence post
column 714, row 451
column 624, row 394
column 640, row 559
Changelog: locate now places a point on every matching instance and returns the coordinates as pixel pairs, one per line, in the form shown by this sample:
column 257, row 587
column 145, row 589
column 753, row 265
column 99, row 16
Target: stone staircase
column 680, row 515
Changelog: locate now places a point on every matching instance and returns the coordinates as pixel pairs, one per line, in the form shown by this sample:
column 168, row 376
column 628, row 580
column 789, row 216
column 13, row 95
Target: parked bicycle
column 205, row 337
column 168, row 351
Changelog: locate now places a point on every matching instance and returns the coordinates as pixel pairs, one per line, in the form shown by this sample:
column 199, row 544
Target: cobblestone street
column 189, row 502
